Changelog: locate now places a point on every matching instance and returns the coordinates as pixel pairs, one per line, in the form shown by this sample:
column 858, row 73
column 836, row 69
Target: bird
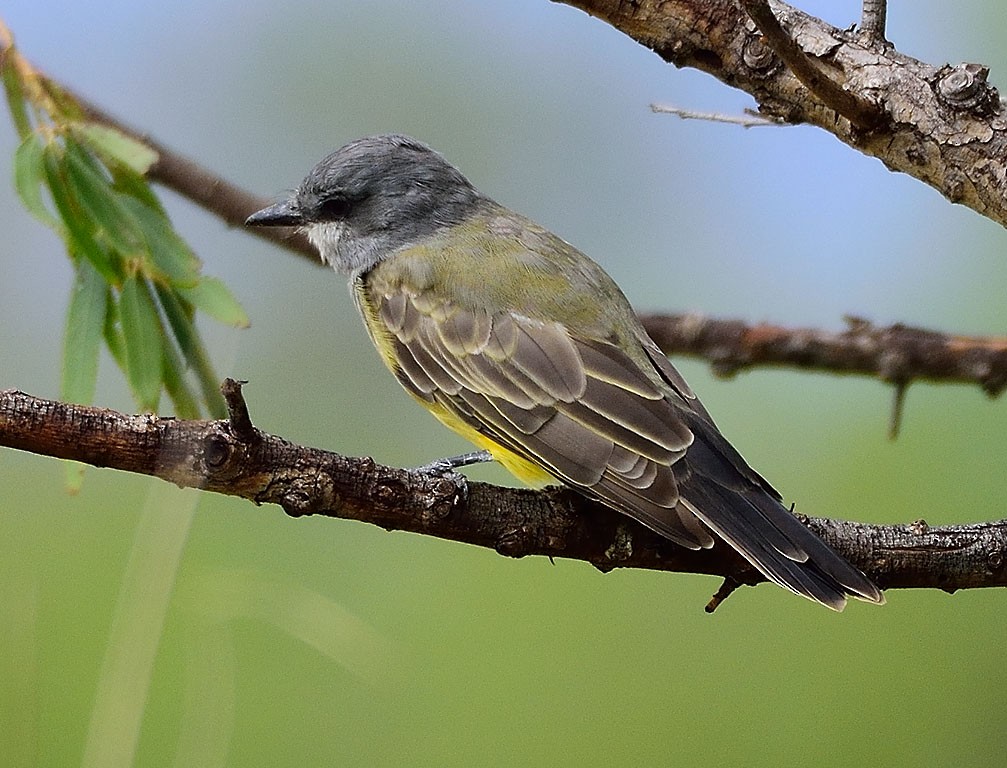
column 521, row 343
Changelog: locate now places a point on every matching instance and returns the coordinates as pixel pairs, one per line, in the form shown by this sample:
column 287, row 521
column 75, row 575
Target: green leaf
column 132, row 184
column 178, row 389
column 29, row 176
column 114, row 221
column 114, row 146
column 170, row 258
column 62, row 105
column 85, row 321
column 79, row 233
column 179, row 314
column 143, row 336
column 215, row 299
column 74, row 476
column 14, row 89
column 113, row 333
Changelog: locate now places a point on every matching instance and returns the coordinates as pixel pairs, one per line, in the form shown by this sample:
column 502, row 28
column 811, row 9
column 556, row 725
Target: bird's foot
column 451, row 463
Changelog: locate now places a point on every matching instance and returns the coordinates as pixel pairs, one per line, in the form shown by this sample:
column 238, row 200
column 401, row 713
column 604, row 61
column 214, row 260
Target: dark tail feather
column 804, row 563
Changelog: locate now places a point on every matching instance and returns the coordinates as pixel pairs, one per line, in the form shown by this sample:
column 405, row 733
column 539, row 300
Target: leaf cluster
column 137, row 283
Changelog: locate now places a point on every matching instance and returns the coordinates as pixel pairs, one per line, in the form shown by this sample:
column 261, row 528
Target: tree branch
column 859, row 111
column 896, row 354
column 941, row 125
column 263, row 468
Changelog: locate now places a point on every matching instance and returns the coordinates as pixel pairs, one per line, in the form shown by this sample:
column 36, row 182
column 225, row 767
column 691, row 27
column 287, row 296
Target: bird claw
column 451, row 463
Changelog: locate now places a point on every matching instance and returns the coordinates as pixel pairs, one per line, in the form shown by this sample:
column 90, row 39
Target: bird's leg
column 451, row 463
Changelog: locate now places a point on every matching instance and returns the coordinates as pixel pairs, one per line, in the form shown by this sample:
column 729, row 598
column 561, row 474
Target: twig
column 860, row 112
column 898, row 409
column 749, row 120
column 237, row 411
column 956, row 145
column 873, row 20
column 727, row 588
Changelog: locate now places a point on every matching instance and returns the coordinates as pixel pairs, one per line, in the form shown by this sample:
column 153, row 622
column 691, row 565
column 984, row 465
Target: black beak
column 284, row 214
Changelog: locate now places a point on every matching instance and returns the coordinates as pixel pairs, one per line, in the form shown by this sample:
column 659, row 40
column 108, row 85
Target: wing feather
column 527, row 420
column 625, row 461
column 465, row 333
column 600, row 425
column 545, row 354
column 630, row 434
column 410, row 373
column 435, row 365
column 636, row 442
column 607, row 363
column 653, row 420
column 487, row 376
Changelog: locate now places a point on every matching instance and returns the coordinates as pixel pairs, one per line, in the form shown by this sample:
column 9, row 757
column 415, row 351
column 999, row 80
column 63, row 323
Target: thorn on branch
column 237, row 411
column 898, row 406
column 725, row 591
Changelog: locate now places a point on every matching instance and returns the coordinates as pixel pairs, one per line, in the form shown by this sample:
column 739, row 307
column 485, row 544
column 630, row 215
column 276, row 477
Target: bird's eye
column 334, row 207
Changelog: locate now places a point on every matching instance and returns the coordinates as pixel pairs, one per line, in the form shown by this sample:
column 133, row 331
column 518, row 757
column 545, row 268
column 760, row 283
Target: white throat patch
column 325, row 236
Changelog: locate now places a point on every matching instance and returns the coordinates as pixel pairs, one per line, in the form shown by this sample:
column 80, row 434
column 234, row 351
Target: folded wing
column 632, row 436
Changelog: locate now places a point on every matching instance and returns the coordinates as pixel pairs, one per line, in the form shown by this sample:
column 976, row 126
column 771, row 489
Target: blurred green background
column 201, row 630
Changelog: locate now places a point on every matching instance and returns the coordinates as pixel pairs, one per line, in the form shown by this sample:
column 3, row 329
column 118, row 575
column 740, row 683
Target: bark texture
column 940, row 124
column 234, row 458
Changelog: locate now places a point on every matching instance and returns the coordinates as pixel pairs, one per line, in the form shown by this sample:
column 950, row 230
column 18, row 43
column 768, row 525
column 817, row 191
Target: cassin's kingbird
column 522, row 344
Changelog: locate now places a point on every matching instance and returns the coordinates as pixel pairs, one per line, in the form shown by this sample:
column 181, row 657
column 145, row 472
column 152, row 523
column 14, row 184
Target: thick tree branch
column 556, row 523
column 941, row 125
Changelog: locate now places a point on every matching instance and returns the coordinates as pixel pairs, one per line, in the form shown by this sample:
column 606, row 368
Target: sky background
column 203, row 630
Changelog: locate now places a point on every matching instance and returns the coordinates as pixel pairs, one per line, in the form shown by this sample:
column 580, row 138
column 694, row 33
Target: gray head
column 371, row 197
